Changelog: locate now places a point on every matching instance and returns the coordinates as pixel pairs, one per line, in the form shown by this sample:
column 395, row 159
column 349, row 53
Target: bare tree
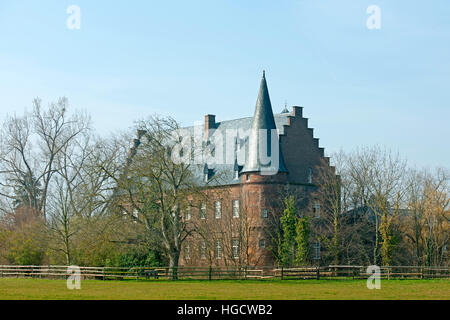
column 30, row 147
column 426, row 226
column 377, row 177
column 154, row 189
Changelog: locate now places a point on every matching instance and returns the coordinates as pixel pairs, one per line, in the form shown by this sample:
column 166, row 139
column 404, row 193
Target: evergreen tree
column 288, row 223
column 27, row 192
column 302, row 241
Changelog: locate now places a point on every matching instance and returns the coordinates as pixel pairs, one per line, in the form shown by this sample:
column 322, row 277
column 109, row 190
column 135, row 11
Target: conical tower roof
column 260, row 158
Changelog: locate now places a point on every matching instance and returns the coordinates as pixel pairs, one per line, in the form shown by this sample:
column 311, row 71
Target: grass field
column 19, row 289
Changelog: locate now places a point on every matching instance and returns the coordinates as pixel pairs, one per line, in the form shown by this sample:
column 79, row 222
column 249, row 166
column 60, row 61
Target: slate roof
column 235, row 141
column 263, row 120
column 224, row 174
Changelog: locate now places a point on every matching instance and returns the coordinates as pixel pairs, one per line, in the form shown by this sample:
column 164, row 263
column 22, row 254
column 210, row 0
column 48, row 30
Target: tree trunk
column 174, row 257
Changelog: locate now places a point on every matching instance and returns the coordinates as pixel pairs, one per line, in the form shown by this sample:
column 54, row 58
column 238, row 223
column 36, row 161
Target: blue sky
column 131, row 59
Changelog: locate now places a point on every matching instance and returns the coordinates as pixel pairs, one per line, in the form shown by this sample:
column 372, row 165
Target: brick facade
column 259, row 199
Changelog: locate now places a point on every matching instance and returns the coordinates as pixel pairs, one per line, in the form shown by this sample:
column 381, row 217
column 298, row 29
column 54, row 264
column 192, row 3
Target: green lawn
column 258, row 290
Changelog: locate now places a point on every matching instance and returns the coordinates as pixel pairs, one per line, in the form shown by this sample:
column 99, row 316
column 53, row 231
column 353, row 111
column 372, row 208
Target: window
column 203, row 250
column 187, row 251
column 235, row 247
column 135, row 215
column 205, row 177
column 218, row 209
column 316, row 209
column 236, row 174
column 235, row 208
column 218, row 249
column 203, row 211
column 262, row 243
column 264, row 213
column 187, row 214
column 316, row 250
column 248, row 177
column 309, row 175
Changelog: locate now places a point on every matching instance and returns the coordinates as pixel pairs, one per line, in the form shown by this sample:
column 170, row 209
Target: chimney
column 297, row 111
column 210, row 123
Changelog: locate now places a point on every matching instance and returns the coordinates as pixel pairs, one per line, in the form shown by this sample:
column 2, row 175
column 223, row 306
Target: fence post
column 282, row 273
column 210, row 273
column 317, row 273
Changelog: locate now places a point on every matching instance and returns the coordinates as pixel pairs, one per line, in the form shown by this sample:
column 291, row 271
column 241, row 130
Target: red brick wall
column 300, row 149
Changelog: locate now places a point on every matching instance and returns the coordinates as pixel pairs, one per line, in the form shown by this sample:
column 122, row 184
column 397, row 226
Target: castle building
column 262, row 158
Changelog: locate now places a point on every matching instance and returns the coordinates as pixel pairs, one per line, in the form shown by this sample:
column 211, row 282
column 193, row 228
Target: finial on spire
column 264, row 73
column 285, row 110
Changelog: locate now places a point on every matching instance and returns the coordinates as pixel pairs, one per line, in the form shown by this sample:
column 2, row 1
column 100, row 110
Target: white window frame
column 218, row 210
column 263, row 242
column 235, row 248
column 203, row 211
column 203, row 250
column 316, row 209
column 218, row 249
column 316, row 250
column 264, row 213
column 309, row 175
column 235, row 208
column 187, row 251
column 187, row 213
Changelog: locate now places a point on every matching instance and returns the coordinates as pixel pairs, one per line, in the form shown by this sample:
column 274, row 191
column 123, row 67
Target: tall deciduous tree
column 154, row 188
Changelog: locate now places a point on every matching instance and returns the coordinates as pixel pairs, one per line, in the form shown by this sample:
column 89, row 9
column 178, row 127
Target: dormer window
column 236, row 167
column 205, row 173
column 309, row 178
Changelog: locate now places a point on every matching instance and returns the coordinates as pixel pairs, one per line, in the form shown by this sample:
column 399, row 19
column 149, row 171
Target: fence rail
column 222, row 273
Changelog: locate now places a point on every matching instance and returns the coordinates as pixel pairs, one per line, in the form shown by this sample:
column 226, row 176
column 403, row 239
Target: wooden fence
column 223, row 273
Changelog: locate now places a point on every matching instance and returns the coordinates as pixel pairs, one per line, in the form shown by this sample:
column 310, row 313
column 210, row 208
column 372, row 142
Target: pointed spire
column 263, row 124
